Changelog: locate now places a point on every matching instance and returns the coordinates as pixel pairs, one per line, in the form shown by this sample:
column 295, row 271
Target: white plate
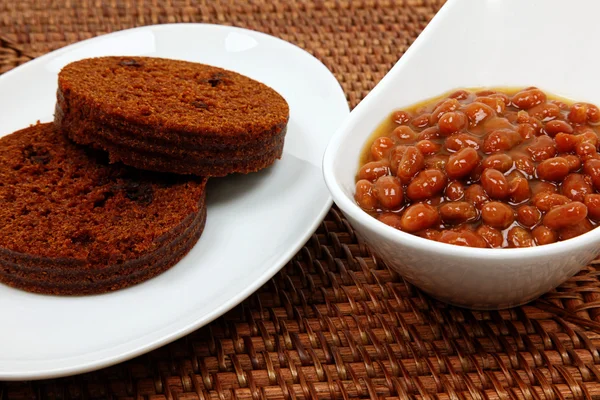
column 256, row 223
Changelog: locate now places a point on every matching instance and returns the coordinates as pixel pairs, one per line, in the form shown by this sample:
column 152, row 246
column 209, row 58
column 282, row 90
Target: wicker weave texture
column 335, row 323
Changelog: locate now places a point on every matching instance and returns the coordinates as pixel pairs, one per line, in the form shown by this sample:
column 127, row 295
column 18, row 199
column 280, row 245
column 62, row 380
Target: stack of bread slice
column 113, row 191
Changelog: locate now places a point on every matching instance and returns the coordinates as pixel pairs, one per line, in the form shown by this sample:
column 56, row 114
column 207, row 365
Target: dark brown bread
column 172, row 116
column 70, row 223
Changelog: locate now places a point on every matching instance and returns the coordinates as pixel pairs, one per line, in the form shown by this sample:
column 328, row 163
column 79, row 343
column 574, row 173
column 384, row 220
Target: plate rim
column 92, row 364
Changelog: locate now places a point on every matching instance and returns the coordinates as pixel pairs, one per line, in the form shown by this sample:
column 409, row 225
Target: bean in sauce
column 486, row 168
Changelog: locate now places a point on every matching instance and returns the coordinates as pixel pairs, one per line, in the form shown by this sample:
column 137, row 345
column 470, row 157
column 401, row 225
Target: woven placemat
column 335, row 323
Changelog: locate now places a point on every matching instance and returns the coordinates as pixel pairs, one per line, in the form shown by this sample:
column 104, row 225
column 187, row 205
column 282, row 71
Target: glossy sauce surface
column 485, row 168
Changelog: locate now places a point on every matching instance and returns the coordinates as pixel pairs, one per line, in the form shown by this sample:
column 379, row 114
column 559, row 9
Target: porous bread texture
column 68, row 216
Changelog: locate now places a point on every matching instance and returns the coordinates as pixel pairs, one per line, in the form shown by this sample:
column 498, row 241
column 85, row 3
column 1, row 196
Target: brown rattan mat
column 335, row 322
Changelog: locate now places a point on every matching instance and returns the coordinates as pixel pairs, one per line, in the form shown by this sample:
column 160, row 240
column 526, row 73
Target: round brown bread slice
column 172, row 116
column 73, row 224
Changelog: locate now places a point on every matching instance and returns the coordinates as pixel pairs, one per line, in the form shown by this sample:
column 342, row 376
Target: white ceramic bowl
column 476, row 43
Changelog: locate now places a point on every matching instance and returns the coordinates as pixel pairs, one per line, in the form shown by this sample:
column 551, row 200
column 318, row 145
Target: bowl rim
column 350, row 208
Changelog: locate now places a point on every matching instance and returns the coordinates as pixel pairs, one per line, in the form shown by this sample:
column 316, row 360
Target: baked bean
column 542, row 187
column 519, row 237
column 437, row 161
column 452, row 122
column 553, row 169
column 404, row 134
column 587, row 136
column 475, row 195
column 462, row 238
column 502, row 162
column 571, row 231
column 373, row 170
column 494, row 183
column 592, row 202
column 460, row 141
column 460, row 95
column 575, row 187
column 528, row 216
column 526, row 131
column 586, row 151
column 538, row 126
column 578, row 113
column 364, row 195
column 544, row 235
column 426, row 184
column 593, row 114
column 421, row 121
column 488, row 92
column 477, row 113
column 431, row 234
column 524, row 163
column 565, row 215
column 381, row 148
column 523, row 117
column 401, row 117
column 557, row 126
column 390, row 219
column 565, row 142
column 503, row 96
column 495, row 103
column 427, row 147
column 528, row 98
column 497, row 215
column 546, row 201
column 579, row 129
column 418, row 217
column 573, row 162
column 395, row 157
column 514, row 173
column 561, row 104
column 434, row 200
column 492, row 236
column 541, row 148
column 454, row 191
column 592, row 169
column 458, row 212
column 518, row 190
column 544, row 112
column 411, row 163
column 501, row 140
column 432, row 132
column 443, row 108
column 388, row 190
column 462, row 163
